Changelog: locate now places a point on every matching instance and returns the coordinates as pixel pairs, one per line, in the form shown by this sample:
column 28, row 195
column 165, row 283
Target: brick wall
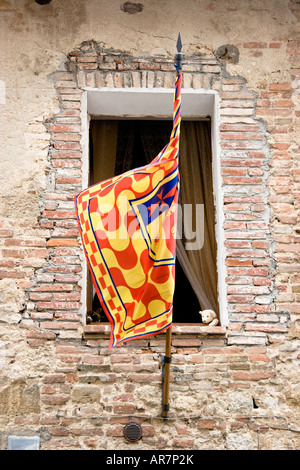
column 226, row 383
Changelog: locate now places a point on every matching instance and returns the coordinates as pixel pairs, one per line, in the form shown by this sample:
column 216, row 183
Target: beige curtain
column 196, row 187
column 103, row 148
column 114, row 144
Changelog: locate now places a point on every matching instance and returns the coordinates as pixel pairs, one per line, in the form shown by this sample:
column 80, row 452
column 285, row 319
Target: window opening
column 118, row 145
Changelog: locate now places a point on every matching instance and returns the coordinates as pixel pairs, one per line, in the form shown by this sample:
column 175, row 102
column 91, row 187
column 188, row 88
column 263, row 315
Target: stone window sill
column 103, row 329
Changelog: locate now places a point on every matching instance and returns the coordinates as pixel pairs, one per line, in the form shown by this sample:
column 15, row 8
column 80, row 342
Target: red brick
column 65, row 128
column 238, row 262
column 44, row 335
column 54, row 378
column 67, row 277
column 60, row 431
column 68, row 180
column 66, row 145
column 253, row 376
column 270, row 328
column 145, row 378
column 260, row 244
column 279, row 112
column 13, row 242
column 46, row 224
column 66, row 137
column 255, row 45
column 88, row 66
column 57, row 305
column 231, row 95
column 184, row 443
column 148, row 430
column 6, row 253
column 206, row 423
column 38, row 253
column 262, row 281
column 234, row 225
column 115, row 431
column 70, row 359
column 280, row 86
column 236, row 207
column 4, row 233
column 229, row 350
column 126, row 408
column 255, row 172
column 246, row 235
column 70, row 113
column 94, row 360
column 281, row 145
column 241, row 162
column 274, row 45
column 195, row 359
column 60, row 154
column 69, row 91
column 67, row 296
column 238, row 243
column 284, row 103
column 245, row 181
column 120, row 358
column 234, row 136
column 35, row 343
column 258, row 358
column 234, row 171
column 55, row 400
column 67, row 163
column 6, row 263
column 39, row 296
column 11, row 274
column 63, row 242
column 60, row 215
column 60, row 325
column 53, row 288
column 240, row 298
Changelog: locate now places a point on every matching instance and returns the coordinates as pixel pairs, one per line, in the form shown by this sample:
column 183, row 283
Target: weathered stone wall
column 231, row 388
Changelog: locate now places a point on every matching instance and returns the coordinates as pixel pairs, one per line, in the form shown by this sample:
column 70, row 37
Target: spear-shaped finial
column 179, row 43
column 178, row 56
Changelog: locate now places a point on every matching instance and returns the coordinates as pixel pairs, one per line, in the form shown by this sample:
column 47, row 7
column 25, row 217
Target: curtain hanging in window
column 196, row 187
column 103, row 144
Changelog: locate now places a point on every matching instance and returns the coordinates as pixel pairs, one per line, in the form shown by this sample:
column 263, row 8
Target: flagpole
column 166, row 366
column 167, row 358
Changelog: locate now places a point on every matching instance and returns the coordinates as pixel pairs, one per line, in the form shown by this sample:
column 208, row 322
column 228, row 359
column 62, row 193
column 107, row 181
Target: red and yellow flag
column 128, row 230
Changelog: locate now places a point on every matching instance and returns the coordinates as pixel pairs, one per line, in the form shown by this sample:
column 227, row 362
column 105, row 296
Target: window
column 118, row 145
column 116, row 104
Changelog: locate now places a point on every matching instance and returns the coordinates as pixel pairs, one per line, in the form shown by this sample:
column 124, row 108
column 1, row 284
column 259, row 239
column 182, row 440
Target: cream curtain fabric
column 196, row 187
column 103, row 149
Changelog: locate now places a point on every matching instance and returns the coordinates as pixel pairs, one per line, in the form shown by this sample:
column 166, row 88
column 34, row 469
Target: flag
column 128, row 231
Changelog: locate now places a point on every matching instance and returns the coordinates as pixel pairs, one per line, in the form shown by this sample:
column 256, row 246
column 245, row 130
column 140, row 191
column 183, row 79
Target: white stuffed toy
column 210, row 317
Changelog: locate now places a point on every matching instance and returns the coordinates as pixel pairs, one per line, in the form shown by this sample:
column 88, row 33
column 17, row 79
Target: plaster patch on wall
column 3, row 359
column 11, row 302
column 2, row 92
column 296, row 93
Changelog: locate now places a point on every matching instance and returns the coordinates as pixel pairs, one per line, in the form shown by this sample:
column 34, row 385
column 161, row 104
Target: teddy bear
column 209, row 316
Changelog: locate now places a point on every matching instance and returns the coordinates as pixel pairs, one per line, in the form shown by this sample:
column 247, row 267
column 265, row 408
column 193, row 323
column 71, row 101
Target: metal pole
column 166, row 368
column 167, row 358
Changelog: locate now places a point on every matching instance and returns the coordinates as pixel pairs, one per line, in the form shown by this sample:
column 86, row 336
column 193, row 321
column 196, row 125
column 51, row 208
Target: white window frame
column 157, row 103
